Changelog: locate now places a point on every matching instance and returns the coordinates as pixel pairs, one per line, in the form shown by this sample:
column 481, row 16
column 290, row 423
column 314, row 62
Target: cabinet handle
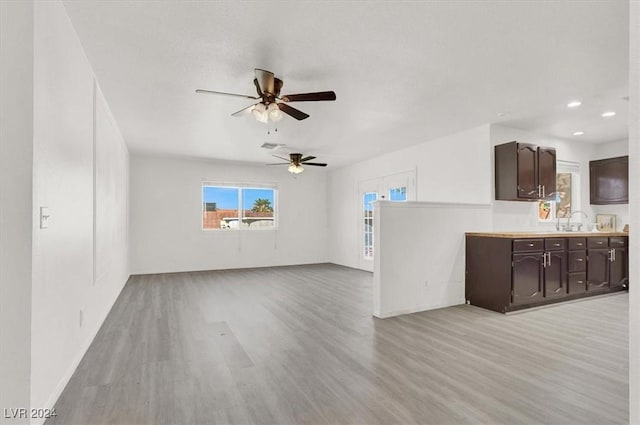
column 556, row 244
column 580, row 281
column 530, row 244
column 543, row 194
column 580, row 260
column 548, row 258
column 614, row 254
column 611, row 254
column 579, row 244
column 600, row 243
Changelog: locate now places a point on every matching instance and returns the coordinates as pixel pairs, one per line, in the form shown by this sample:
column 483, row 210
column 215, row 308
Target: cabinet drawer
column 597, row 242
column 577, row 243
column 577, row 261
column 524, row 245
column 554, row 244
column 617, row 241
column 577, row 283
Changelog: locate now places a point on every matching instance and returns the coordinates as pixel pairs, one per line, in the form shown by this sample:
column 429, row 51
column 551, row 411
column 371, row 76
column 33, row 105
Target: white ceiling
column 403, row 72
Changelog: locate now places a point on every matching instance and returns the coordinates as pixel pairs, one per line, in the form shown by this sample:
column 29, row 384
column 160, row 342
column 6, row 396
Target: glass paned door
column 367, row 207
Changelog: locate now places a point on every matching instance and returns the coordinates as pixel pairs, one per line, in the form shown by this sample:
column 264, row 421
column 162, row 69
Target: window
column 398, row 193
column 238, row 207
column 367, row 201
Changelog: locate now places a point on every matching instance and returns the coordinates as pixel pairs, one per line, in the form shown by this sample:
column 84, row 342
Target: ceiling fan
column 271, row 105
column 296, row 161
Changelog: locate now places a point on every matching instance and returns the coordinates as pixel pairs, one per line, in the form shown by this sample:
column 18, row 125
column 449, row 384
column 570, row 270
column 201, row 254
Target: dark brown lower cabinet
column 555, row 279
column 507, row 274
column 577, row 266
column 527, row 278
column 598, row 269
column 577, row 283
column 619, row 267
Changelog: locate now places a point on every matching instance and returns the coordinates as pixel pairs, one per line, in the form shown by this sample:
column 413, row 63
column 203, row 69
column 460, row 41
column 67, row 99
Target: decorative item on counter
column 626, row 228
column 606, row 222
column 545, row 211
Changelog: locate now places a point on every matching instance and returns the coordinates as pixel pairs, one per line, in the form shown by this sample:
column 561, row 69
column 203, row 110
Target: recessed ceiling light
column 574, row 104
column 608, row 114
column 578, row 133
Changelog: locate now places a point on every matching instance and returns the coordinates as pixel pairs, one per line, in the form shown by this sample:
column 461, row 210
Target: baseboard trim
column 413, row 310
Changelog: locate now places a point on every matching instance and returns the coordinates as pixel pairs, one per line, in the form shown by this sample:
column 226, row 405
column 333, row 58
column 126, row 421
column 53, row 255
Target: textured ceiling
column 403, row 72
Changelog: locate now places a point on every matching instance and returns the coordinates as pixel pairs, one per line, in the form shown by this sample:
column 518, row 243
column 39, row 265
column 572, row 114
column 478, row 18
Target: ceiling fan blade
column 317, row 164
column 295, row 113
column 257, row 84
column 277, row 82
column 310, row 97
column 279, row 157
column 265, row 80
column 307, row 158
column 225, row 94
column 243, row 110
column 280, row 163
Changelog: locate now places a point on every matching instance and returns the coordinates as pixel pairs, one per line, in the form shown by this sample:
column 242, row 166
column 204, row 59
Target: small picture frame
column 606, row 222
column 546, row 211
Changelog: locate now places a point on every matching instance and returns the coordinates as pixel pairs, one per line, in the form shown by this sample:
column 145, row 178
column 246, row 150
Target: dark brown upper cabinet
column 524, row 172
column 609, row 181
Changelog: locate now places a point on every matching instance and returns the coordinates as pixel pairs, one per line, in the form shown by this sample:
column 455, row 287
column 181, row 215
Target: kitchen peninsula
column 509, row 271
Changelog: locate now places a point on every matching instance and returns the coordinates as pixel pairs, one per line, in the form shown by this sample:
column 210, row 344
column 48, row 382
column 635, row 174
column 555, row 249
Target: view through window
column 236, row 207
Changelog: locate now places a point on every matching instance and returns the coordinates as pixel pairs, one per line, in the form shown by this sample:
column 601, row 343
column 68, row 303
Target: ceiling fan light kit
column 295, row 169
column 268, row 109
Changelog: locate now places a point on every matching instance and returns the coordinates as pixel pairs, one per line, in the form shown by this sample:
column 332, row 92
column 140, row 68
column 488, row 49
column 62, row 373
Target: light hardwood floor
column 298, row 345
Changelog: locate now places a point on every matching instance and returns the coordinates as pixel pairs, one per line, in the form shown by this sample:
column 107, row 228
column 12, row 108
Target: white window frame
column 240, row 187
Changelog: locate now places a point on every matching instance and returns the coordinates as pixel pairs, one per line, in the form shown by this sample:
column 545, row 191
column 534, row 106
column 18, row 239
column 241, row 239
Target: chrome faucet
column 571, row 215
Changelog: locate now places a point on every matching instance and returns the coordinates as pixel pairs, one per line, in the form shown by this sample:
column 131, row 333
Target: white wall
column 634, row 204
column 166, row 217
column 16, row 166
column 420, row 255
column 80, row 163
column 455, row 168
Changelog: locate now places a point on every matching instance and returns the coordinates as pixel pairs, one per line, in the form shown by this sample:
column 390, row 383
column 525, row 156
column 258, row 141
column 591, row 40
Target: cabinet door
column 619, row 268
column 555, row 284
column 547, row 171
column 526, row 278
column 597, row 269
column 527, row 171
column 609, row 181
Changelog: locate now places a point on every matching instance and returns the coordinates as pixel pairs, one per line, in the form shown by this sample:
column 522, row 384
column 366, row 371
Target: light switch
column 44, row 217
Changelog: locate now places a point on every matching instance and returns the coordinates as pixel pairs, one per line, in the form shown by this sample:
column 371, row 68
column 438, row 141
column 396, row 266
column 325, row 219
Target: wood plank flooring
column 298, row 345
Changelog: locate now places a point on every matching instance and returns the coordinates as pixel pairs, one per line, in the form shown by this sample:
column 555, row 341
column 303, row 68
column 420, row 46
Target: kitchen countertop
column 544, row 234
